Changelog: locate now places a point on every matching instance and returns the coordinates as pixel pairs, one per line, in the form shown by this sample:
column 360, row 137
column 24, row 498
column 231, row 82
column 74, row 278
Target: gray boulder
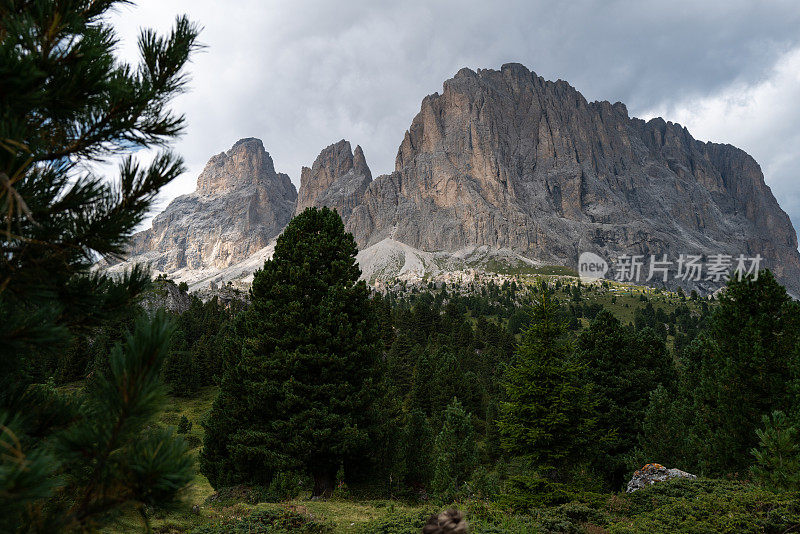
column 653, row 473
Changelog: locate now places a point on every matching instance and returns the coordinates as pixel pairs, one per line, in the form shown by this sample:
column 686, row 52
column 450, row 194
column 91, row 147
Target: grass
column 348, row 516
column 181, row 518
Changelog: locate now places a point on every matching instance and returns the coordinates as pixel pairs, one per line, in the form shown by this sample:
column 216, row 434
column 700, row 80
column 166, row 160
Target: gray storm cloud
column 302, row 74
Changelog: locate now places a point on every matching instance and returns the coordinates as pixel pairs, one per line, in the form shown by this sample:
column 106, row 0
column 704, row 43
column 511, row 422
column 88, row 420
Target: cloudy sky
column 302, row 74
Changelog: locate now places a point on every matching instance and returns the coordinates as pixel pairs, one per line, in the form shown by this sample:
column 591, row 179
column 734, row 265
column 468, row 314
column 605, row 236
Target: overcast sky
column 301, row 75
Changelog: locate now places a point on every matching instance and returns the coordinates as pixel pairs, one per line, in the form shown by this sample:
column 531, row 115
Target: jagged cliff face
column 502, row 161
column 337, row 179
column 507, row 159
column 240, row 204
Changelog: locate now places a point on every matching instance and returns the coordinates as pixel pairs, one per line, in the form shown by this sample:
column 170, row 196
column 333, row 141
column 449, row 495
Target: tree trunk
column 323, row 484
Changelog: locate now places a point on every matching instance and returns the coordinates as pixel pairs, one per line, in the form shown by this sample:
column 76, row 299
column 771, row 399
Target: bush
column 708, row 506
column 571, row 517
column 230, row 495
column 526, row 493
column 285, row 486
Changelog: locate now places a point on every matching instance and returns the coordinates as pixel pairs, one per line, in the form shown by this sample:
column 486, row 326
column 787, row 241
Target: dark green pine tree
column 623, row 367
column 65, row 101
column 456, row 453
column 742, row 368
column 547, row 415
column 777, row 457
column 300, row 396
column 180, row 373
column 416, row 454
column 743, row 365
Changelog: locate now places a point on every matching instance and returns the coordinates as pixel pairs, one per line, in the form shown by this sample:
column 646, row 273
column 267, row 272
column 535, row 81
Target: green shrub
column 525, row 493
column 708, row 506
column 485, row 484
column 231, row 495
column 571, row 517
column 285, row 486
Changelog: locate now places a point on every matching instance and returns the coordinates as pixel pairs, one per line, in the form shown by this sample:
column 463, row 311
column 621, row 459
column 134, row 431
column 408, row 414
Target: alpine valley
column 503, row 171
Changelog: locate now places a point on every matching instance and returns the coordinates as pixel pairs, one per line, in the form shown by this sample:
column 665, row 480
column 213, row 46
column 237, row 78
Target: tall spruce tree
column 743, row 366
column 65, row 100
column 777, row 458
column 416, row 450
column 548, row 413
column 456, row 453
column 623, row 366
column 300, row 396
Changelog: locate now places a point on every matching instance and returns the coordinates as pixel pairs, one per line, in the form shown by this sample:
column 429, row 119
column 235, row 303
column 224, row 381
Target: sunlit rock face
column 240, row 204
column 337, row 179
column 501, row 160
column 507, row 159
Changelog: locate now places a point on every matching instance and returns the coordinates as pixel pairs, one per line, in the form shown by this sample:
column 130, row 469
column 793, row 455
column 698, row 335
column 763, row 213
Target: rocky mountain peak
column 360, row 166
column 337, row 179
column 246, row 163
column 240, row 205
column 506, row 159
column 500, row 160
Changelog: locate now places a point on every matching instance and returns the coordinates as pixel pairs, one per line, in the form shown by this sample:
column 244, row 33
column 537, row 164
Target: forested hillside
column 527, row 405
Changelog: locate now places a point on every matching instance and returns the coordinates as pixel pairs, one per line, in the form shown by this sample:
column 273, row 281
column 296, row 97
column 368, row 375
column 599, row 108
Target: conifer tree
column 623, row 367
column 456, row 454
column 300, row 396
column 65, row 100
column 778, row 454
column 547, row 415
column 741, row 367
column 417, row 442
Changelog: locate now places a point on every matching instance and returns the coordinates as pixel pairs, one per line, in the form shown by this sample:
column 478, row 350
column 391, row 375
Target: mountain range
column 503, row 167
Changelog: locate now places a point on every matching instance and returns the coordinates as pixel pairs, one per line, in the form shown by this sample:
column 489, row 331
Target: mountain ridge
column 508, row 160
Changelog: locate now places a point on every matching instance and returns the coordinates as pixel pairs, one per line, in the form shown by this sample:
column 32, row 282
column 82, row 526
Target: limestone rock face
column 508, row 160
column 240, row 204
column 337, row 179
column 652, row 474
column 501, row 160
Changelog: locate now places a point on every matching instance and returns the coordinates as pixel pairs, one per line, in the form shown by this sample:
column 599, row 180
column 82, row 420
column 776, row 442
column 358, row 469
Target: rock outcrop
column 239, row 206
column 337, row 179
column 652, row 474
column 509, row 160
column 165, row 295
